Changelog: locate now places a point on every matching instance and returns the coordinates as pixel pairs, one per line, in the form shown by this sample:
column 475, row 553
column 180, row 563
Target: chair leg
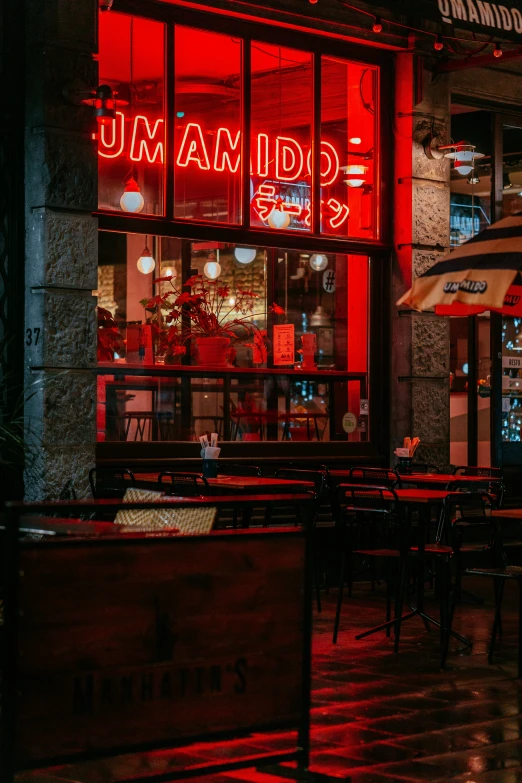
column 519, row 670
column 496, row 621
column 399, row 600
column 317, row 590
column 449, row 609
column 339, row 598
column 389, row 593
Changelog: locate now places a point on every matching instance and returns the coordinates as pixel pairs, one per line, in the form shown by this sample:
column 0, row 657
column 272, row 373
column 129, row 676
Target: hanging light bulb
column 131, row 200
column 245, row 255
column 212, row 268
column 318, row 262
column 356, row 175
column 146, row 263
column 439, row 43
column 377, row 25
column 278, row 218
column 167, row 271
column 355, row 140
column 497, row 51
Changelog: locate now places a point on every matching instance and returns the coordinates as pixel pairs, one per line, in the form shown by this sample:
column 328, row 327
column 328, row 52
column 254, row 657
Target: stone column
column 61, row 249
column 420, row 342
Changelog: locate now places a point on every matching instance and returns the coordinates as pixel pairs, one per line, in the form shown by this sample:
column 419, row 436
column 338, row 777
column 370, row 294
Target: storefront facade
column 311, row 242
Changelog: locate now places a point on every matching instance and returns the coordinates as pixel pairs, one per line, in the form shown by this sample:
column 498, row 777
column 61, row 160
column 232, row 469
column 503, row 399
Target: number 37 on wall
column 32, row 336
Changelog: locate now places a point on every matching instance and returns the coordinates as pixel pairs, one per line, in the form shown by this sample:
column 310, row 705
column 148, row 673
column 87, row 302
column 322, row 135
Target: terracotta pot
column 212, row 351
column 251, row 436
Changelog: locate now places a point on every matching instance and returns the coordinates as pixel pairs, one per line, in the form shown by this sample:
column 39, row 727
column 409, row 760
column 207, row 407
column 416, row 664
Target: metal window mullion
column 316, row 146
column 170, row 101
column 246, row 127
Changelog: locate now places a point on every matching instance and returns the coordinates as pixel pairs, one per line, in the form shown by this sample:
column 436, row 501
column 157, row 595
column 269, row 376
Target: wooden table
column 251, row 484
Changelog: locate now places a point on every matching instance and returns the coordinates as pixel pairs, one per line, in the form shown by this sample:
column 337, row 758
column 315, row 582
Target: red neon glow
column 289, row 159
column 140, row 142
column 117, row 137
column 225, row 149
column 265, row 202
column 147, row 143
column 192, row 148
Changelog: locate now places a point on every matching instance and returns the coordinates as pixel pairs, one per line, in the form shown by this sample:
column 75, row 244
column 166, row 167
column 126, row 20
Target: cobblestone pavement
column 379, row 717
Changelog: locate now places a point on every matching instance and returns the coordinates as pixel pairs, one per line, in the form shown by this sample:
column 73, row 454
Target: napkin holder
column 210, row 462
column 404, row 465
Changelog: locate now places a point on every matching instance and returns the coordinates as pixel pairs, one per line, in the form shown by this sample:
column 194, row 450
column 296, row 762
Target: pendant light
column 318, row 262
column 278, row 218
column 212, row 268
column 356, row 175
column 146, row 263
column 245, row 255
column 132, row 200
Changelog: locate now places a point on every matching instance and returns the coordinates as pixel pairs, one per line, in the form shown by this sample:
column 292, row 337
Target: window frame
column 243, row 233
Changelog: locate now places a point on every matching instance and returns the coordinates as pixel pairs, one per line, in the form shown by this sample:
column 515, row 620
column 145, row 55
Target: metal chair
column 473, row 534
column 382, row 477
column 110, row 482
column 494, row 488
column 183, row 484
column 473, row 470
column 372, row 525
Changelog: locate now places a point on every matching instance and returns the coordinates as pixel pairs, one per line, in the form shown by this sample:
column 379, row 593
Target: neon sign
column 279, row 159
column 282, row 157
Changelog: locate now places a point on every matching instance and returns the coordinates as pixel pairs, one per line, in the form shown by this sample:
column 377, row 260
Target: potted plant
column 109, row 338
column 205, row 314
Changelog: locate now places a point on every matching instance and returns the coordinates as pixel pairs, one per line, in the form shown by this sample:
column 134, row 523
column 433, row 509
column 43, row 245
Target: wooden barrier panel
column 145, row 642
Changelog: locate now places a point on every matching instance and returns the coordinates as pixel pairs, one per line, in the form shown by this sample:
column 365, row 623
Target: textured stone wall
column 420, row 342
column 61, row 255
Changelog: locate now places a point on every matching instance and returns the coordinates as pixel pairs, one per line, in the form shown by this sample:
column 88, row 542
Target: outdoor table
column 508, row 513
column 252, row 484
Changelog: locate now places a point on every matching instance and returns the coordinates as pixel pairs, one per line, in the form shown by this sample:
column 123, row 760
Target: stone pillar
column 61, row 249
column 420, row 342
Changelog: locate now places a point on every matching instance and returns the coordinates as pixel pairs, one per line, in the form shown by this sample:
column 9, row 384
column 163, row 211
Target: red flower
column 194, row 280
column 182, row 299
column 166, row 279
column 277, row 309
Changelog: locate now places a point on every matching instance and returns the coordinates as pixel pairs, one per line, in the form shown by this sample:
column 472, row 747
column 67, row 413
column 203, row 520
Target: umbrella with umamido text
column 482, row 274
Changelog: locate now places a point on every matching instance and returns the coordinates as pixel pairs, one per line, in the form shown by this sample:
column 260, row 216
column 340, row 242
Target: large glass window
column 282, row 101
column 207, row 126
column 349, row 154
column 131, row 148
column 295, row 326
column 201, row 144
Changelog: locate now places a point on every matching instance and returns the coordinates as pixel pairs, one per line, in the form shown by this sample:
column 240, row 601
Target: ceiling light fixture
column 278, row 218
column 497, row 51
column 356, row 175
column 146, row 263
column 131, row 200
column 245, row 255
column 212, row 268
column 318, row 262
column 377, row 25
column 439, row 43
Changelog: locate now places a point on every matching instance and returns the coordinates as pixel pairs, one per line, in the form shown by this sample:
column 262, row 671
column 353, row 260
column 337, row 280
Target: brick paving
column 379, row 717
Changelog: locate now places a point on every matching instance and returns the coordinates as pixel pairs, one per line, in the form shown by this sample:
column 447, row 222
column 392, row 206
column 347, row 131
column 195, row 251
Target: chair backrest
column 317, row 466
column 379, row 515
column 367, row 497
column 468, row 518
column 183, row 483
column 110, row 482
column 383, row 477
column 473, row 470
column 239, row 469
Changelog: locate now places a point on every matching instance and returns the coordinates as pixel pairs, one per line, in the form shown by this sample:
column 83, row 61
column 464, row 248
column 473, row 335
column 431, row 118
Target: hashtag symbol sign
column 329, row 281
